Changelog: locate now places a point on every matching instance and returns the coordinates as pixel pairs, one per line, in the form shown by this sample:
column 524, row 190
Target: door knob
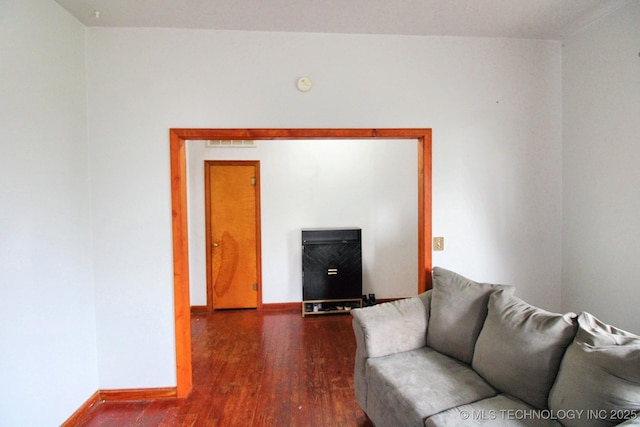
column 215, row 245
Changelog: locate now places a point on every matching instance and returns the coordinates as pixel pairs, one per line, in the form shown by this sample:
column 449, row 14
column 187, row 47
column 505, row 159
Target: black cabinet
column 331, row 270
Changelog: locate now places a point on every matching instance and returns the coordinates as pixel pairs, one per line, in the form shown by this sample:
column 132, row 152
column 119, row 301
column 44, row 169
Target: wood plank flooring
column 257, row 368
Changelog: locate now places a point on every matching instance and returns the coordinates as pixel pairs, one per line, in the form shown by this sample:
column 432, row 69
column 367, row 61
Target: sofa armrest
column 633, row 422
column 387, row 328
column 392, row 327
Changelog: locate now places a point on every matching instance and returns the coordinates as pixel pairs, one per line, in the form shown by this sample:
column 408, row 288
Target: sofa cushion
column 458, row 310
column 405, row 388
column 600, row 372
column 394, row 326
column 500, row 411
column 520, row 347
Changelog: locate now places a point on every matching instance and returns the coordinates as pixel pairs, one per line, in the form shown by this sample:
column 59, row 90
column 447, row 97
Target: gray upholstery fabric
column 635, row 422
column 381, row 329
column 499, row 411
column 360, row 367
column 400, row 382
column 393, row 327
column 600, row 371
column 458, row 310
column 405, row 388
column 520, row 347
column 425, row 297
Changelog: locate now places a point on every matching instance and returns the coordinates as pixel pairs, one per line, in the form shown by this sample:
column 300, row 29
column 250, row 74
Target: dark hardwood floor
column 257, row 368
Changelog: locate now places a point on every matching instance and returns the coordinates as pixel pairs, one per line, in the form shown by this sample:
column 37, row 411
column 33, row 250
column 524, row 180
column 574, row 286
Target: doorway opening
column 177, row 143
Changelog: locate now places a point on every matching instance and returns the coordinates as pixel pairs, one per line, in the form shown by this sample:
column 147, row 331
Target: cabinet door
column 332, row 271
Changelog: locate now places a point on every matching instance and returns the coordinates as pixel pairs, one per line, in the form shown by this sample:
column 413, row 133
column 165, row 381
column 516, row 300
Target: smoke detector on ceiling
column 304, row 84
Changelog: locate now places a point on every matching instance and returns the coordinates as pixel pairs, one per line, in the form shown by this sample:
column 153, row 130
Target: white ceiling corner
column 527, row 19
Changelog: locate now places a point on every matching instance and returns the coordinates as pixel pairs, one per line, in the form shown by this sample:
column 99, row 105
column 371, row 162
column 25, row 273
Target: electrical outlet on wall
column 438, row 243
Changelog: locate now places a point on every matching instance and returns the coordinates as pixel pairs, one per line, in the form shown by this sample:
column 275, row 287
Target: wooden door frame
column 177, row 152
column 207, row 208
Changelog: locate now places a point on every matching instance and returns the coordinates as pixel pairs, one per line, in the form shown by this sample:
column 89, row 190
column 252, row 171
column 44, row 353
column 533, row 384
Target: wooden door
column 232, row 206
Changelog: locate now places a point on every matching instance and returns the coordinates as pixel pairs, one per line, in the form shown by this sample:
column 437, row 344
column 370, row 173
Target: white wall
column 48, row 357
column 371, row 184
column 601, row 231
column 494, row 106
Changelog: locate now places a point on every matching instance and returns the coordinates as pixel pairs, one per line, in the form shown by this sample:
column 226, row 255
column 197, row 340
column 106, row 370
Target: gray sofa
column 467, row 353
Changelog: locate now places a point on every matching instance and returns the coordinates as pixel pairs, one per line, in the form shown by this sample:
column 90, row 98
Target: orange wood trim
column 281, row 306
column 119, row 394
column 83, row 410
column 196, row 309
column 311, row 133
column 139, row 394
column 424, row 212
column 421, row 217
column 182, row 309
column 178, row 139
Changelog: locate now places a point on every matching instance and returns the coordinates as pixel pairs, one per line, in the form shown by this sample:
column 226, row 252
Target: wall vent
column 231, row 143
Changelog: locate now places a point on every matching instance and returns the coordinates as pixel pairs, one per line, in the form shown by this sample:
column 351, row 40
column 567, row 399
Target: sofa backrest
column 599, row 377
column 458, row 311
column 520, row 347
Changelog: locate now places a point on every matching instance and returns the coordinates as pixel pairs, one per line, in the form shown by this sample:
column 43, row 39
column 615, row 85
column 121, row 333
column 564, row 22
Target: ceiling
column 528, row 19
